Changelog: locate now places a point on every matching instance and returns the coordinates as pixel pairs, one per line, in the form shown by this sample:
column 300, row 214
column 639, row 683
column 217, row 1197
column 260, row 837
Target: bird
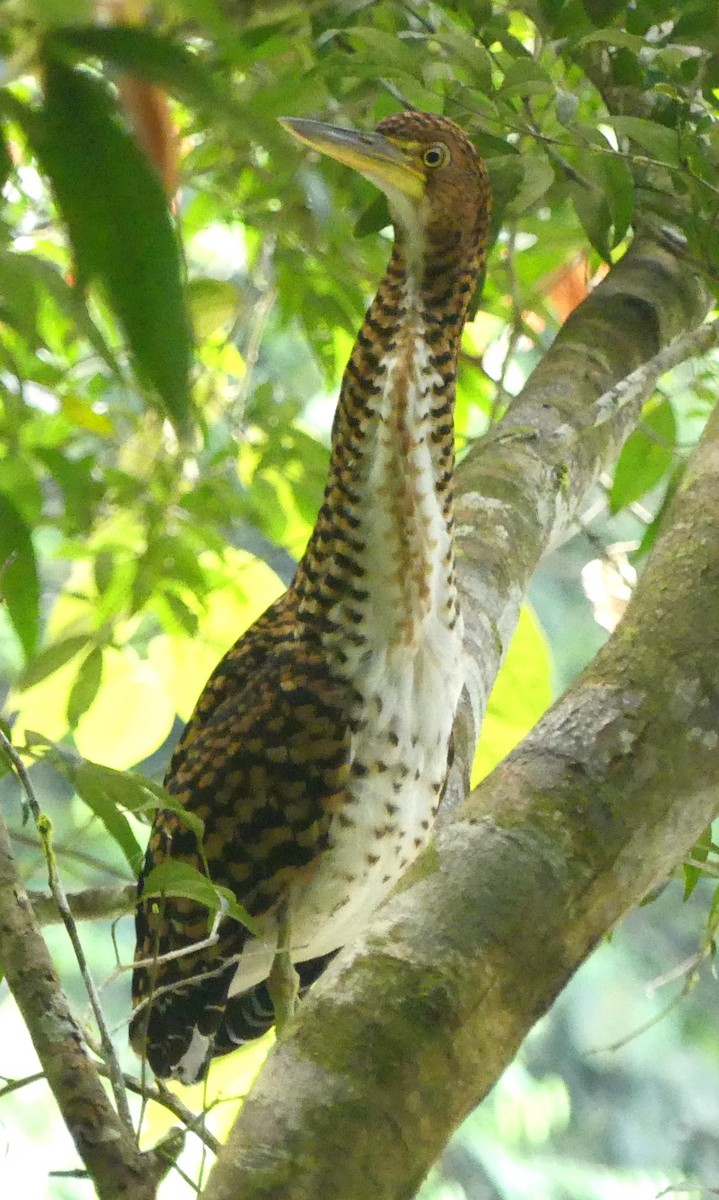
column 318, row 751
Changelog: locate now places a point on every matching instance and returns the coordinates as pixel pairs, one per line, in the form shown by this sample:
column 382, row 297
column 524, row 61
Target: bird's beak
column 378, row 158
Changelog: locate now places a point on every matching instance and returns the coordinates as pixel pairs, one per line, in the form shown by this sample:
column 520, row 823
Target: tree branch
column 45, row 832
column 411, row 1026
column 105, row 1145
column 91, row 904
column 519, row 488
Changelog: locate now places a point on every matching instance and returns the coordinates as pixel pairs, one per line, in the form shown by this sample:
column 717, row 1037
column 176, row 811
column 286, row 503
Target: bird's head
column 434, row 180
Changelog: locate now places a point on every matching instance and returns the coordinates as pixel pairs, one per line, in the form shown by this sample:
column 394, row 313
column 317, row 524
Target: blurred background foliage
column 167, row 383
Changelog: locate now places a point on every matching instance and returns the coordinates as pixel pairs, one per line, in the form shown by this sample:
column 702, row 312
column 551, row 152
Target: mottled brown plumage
column 318, row 750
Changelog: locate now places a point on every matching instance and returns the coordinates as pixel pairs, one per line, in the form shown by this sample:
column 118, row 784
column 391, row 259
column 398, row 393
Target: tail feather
column 175, row 1030
column 190, row 1024
column 249, row 1015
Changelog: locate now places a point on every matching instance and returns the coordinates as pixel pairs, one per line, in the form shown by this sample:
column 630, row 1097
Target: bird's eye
column 436, row 156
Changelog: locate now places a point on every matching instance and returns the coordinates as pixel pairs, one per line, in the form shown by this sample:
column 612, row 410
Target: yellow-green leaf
column 173, row 878
column 521, row 694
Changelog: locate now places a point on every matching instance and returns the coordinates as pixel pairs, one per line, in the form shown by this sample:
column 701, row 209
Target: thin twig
column 14, row 1085
column 687, row 345
column 44, row 828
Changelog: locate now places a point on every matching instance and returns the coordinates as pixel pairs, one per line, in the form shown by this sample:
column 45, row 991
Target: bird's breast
column 398, row 641
column 399, row 755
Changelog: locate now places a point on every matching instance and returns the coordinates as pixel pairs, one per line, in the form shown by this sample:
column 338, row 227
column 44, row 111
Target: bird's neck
column 383, row 538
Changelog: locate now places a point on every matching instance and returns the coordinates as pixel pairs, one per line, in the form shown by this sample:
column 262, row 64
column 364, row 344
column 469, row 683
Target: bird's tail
column 249, row 1015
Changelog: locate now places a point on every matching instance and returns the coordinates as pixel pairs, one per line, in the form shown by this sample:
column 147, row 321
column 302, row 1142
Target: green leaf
column 58, row 12
column 662, row 142
column 700, row 852
column 142, row 795
column 212, row 304
column 113, row 204
column 697, row 25
column 618, row 182
column 86, row 686
column 591, row 207
column 209, row 15
column 537, row 175
column 69, row 301
column 386, row 54
column 7, row 766
column 655, row 526
column 465, row 48
column 645, row 458
column 614, row 37
column 19, row 583
column 18, row 296
column 524, row 77
column 521, row 694
column 104, row 792
column 505, row 178
column 51, row 659
column 374, row 218
column 173, row 878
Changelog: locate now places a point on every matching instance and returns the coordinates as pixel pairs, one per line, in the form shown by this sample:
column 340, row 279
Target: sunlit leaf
column 520, row 696
column 51, row 659
column 645, row 458
column 173, row 878
column 86, row 686
column 212, row 303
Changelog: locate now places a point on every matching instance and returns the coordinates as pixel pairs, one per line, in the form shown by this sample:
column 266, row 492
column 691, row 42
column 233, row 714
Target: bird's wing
column 264, row 765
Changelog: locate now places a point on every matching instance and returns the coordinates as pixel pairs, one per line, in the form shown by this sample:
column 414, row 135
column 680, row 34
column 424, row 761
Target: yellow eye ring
column 436, row 156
